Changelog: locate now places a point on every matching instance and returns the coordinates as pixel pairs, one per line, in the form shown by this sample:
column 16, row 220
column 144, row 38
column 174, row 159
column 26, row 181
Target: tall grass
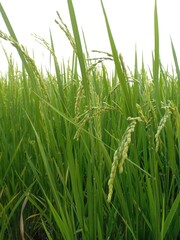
column 64, row 137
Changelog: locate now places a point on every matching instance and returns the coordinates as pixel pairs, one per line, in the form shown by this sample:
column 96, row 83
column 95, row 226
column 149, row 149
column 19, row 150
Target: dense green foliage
column 59, row 136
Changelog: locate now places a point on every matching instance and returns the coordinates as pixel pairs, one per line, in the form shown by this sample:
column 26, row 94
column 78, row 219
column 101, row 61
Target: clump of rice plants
column 63, row 135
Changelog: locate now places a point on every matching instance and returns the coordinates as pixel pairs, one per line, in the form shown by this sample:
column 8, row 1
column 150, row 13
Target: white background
column 131, row 24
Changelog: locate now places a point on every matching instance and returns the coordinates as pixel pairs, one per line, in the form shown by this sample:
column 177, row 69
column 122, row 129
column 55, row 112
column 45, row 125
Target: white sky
column 131, row 24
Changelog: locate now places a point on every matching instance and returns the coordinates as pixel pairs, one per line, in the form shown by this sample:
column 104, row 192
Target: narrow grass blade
column 57, row 68
column 119, row 70
column 45, row 229
column 8, row 24
column 136, row 82
column 65, row 229
column 177, row 70
column 13, row 35
column 156, row 60
column 172, row 212
column 79, row 49
column 14, row 210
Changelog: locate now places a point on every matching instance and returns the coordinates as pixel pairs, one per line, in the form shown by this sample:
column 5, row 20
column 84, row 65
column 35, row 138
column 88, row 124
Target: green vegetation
column 63, row 137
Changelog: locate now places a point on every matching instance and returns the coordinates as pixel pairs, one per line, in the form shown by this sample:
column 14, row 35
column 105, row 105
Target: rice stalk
column 78, row 100
column 68, row 178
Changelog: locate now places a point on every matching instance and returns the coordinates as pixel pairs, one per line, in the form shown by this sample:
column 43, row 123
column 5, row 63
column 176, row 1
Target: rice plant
column 64, row 135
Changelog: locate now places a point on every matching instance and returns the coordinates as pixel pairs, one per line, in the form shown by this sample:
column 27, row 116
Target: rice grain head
column 121, row 154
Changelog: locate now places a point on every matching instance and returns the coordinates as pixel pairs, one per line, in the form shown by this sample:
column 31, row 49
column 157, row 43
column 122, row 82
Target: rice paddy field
column 86, row 153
